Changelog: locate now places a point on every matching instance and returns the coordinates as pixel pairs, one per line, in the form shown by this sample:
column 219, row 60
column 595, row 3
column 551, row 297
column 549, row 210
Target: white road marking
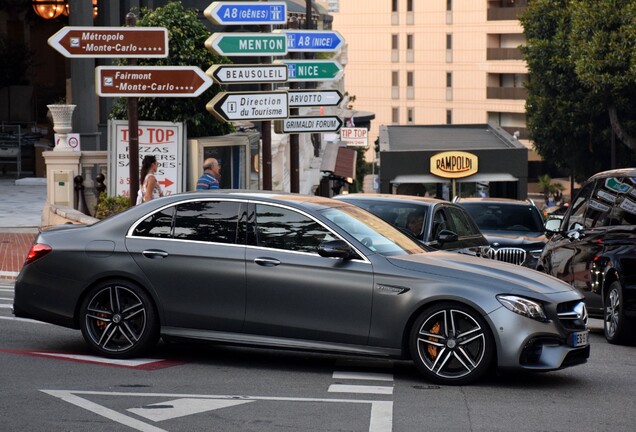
column 182, row 407
column 381, row 419
column 95, row 359
column 6, row 298
column 341, row 388
column 370, row 376
column 6, row 288
column 9, row 274
column 22, row 320
column 6, row 306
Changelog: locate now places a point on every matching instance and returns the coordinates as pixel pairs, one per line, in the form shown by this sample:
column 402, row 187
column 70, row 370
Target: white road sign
column 314, row 98
column 229, row 106
column 303, row 124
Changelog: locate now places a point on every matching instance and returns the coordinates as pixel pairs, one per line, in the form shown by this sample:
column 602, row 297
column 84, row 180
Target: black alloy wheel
column 451, row 344
column 616, row 325
column 118, row 320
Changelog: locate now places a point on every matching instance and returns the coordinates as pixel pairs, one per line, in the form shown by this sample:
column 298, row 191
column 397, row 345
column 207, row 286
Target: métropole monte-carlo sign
column 454, row 164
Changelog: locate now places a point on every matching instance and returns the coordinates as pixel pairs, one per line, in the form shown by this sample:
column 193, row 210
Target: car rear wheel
column 118, row 320
column 451, row 344
column 617, row 326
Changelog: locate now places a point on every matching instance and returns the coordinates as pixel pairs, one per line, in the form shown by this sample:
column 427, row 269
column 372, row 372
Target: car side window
column 461, row 223
column 156, row 225
column 439, row 223
column 619, row 194
column 577, row 210
column 282, row 228
column 210, row 221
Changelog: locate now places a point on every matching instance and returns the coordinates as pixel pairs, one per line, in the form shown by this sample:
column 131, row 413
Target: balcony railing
column 505, row 13
column 504, row 54
column 514, row 93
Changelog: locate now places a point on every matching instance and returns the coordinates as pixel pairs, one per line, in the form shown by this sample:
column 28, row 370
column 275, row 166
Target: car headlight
column 523, row 306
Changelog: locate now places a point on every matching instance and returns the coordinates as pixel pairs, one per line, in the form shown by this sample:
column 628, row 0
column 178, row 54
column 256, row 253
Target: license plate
column 580, row 339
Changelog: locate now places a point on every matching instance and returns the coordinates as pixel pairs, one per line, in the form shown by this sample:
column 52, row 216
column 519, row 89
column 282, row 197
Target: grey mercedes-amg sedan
column 300, row 272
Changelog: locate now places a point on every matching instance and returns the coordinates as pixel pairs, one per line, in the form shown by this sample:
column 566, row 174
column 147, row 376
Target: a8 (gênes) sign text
column 111, row 42
column 140, row 81
column 228, row 13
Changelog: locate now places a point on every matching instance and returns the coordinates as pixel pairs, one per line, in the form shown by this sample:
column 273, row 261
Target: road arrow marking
column 183, row 407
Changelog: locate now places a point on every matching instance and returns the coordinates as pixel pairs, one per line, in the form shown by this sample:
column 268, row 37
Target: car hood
column 504, row 277
column 515, row 238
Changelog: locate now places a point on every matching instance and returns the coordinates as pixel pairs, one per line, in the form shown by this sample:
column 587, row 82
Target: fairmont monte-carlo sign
column 454, row 164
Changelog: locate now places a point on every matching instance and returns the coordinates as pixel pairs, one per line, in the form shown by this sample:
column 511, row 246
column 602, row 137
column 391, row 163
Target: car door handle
column 267, row 262
column 154, row 254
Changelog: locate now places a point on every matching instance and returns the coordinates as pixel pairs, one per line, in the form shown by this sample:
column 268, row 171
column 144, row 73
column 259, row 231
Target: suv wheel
column 615, row 323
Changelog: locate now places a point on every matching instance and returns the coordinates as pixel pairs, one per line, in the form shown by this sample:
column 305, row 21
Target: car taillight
column 37, row 251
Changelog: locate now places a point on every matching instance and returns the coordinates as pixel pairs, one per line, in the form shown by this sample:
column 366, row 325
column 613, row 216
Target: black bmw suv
column 594, row 248
column 514, row 228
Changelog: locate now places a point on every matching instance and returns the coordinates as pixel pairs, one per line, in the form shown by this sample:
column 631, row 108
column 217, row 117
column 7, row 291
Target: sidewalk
column 21, row 205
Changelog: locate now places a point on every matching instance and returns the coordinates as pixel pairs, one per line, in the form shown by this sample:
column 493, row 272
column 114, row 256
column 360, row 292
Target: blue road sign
column 312, row 40
column 227, row 13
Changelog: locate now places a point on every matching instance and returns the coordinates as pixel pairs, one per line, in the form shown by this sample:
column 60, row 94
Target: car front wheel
column 616, row 325
column 118, row 320
column 451, row 344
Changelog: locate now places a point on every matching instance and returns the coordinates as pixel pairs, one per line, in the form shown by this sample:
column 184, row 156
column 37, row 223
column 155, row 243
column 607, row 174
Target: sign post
column 111, row 42
column 140, row 81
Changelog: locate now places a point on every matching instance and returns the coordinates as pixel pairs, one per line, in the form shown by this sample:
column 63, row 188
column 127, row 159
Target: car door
column 292, row 291
column 562, row 247
column 193, row 253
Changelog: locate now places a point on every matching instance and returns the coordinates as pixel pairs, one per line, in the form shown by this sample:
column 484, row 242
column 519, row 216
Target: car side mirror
column 446, row 236
column 335, row 249
column 553, row 226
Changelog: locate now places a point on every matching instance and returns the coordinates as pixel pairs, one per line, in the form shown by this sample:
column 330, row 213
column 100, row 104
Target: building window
column 449, row 41
column 449, row 5
column 410, row 53
column 410, row 90
column 394, row 5
column 395, row 115
column 449, row 79
column 395, row 42
column 409, row 5
column 409, row 41
column 409, row 79
column 395, row 85
column 409, row 116
column 449, row 116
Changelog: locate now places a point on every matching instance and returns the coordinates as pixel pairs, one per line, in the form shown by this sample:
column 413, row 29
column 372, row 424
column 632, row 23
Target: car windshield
column 505, row 217
column 372, row 231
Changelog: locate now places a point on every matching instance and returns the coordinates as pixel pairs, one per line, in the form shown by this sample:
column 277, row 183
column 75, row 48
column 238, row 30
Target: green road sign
column 312, row 70
column 247, row 44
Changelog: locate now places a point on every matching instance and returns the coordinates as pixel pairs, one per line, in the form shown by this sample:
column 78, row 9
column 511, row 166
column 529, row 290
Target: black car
column 594, row 249
column 436, row 223
column 514, row 228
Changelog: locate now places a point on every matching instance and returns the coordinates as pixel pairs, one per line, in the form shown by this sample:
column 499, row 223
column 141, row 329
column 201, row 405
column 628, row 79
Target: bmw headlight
column 523, row 306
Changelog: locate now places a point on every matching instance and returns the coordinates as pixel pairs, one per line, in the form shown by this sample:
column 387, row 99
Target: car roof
column 387, row 197
column 299, row 200
column 620, row 172
column 494, row 201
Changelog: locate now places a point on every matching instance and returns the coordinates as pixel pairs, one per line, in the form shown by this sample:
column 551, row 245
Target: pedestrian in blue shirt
column 211, row 175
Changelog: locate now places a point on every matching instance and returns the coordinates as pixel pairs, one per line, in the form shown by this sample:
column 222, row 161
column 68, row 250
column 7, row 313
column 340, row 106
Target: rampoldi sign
column 454, row 164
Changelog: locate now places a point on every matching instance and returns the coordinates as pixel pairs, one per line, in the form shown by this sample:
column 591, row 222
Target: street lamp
column 49, row 9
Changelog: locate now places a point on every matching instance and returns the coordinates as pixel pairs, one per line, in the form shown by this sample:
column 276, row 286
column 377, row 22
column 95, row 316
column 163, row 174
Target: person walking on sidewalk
column 150, row 188
column 211, row 175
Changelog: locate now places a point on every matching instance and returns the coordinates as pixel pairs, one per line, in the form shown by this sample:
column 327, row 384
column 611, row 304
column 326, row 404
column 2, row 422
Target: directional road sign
column 247, row 44
column 227, row 13
column 305, row 124
column 243, row 73
column 111, row 42
column 312, row 70
column 312, row 98
column 160, row 81
column 229, row 106
column 312, row 40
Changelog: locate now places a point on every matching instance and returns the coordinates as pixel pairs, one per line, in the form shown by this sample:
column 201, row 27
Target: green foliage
column 570, row 95
column 186, row 41
column 108, row 206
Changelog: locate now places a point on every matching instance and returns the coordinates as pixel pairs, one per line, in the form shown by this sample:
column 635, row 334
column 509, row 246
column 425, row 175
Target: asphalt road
column 50, row 382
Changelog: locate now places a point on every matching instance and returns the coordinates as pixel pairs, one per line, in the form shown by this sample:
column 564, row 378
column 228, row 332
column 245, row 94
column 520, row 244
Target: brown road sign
column 111, row 42
column 158, row 81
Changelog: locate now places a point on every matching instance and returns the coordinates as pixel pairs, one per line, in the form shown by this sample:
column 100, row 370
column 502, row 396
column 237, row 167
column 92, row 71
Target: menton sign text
column 454, row 164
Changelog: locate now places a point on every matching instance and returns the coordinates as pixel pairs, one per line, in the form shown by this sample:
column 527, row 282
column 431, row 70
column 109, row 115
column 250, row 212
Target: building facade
column 436, row 62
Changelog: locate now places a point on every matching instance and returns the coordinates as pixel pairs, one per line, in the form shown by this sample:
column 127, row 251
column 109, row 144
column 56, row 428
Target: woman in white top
column 150, row 188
